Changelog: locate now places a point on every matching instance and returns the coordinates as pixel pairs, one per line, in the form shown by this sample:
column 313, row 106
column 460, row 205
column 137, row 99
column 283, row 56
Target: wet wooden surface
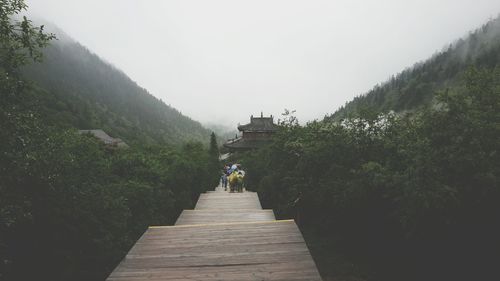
column 223, row 215
column 226, row 237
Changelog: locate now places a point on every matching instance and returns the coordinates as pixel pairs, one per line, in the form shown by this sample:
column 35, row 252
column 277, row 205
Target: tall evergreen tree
column 214, row 148
column 213, row 156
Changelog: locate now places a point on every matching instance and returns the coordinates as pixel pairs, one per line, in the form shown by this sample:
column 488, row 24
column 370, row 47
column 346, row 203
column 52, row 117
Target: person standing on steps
column 224, row 180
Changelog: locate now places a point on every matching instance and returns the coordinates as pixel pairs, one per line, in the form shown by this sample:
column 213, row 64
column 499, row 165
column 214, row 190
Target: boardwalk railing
column 228, row 236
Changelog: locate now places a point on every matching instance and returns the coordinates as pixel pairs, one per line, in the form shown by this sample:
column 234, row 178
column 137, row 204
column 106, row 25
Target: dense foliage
column 416, row 87
column 413, row 197
column 71, row 207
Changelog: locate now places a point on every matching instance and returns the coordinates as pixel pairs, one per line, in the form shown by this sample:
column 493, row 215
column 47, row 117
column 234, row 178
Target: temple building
column 254, row 134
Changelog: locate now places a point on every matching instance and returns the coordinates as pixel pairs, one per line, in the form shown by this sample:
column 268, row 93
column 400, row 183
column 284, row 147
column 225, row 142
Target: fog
column 220, row 61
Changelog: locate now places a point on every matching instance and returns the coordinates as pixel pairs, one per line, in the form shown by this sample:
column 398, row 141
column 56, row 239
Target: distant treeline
column 416, row 87
column 407, row 197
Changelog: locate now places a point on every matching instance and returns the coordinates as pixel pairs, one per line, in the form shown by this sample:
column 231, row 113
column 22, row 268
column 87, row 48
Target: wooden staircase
column 228, row 236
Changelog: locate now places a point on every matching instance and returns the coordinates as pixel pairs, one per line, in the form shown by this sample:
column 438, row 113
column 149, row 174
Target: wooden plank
column 223, row 215
column 232, row 251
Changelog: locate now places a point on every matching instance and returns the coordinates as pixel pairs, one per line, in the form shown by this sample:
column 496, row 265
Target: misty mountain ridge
column 222, row 131
column 75, row 88
column 416, row 86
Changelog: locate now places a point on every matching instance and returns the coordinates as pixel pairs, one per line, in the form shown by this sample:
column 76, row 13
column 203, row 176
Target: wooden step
column 223, row 215
column 225, row 200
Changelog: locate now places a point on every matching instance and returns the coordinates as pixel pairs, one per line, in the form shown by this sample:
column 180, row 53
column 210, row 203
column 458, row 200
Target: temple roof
column 259, row 124
column 105, row 138
column 241, row 143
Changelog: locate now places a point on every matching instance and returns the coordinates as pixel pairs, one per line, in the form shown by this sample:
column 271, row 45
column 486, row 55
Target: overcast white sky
column 219, row 61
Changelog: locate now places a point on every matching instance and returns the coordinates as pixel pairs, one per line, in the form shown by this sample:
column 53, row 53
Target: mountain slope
column 75, row 88
column 415, row 87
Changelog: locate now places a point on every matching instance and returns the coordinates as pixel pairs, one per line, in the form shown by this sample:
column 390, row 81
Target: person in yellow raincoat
column 233, row 181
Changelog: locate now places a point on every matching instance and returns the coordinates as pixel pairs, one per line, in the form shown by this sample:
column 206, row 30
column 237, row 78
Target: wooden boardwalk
column 226, row 237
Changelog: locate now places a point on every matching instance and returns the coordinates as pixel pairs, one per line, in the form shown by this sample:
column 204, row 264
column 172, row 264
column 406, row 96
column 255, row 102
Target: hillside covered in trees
column 74, row 88
column 416, row 87
column 71, row 206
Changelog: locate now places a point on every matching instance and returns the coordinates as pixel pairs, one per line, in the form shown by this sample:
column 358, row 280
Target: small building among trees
column 254, row 134
column 105, row 138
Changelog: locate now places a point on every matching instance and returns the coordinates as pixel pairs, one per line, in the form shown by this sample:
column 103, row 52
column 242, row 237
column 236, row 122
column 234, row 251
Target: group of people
column 234, row 176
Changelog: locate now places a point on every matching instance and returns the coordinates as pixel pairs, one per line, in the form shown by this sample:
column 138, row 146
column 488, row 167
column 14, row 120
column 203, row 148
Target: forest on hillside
column 71, row 206
column 416, row 87
column 74, row 88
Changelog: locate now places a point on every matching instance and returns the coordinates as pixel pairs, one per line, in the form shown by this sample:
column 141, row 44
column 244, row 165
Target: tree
column 214, row 148
column 20, row 41
column 213, row 158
